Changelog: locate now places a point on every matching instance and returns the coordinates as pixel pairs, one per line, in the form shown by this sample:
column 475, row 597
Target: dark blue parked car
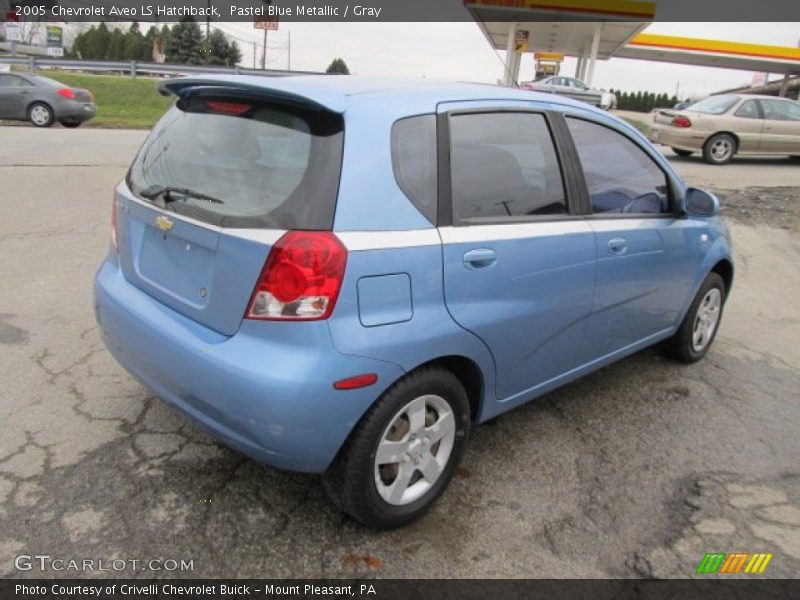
column 342, row 276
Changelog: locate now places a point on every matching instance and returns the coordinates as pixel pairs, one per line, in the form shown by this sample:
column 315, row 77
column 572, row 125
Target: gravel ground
column 637, row 470
column 772, row 206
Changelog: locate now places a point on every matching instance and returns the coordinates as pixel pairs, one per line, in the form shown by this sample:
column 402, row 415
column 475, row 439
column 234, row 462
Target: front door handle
column 480, row 258
column 617, row 246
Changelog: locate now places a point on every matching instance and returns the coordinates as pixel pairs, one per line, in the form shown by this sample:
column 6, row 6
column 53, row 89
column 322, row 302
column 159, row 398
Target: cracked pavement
column 637, row 470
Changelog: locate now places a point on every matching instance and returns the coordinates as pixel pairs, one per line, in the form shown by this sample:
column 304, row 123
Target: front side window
column 504, row 167
column 242, row 162
column 781, row 110
column 620, row 176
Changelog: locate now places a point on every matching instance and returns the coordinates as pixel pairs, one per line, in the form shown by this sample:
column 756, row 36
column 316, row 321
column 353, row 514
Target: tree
column 134, row 41
column 234, row 56
column 185, row 43
column 116, row 47
column 337, row 67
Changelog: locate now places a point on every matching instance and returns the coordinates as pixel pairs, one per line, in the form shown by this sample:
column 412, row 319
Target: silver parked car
column 43, row 101
column 573, row 88
column 720, row 127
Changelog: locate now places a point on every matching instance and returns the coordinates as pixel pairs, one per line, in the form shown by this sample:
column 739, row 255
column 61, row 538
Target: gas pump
column 547, row 64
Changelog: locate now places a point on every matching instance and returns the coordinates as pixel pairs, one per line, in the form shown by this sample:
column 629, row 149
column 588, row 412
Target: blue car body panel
column 530, row 306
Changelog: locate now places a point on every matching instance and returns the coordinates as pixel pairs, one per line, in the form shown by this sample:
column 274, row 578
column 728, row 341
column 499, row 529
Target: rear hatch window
column 238, row 161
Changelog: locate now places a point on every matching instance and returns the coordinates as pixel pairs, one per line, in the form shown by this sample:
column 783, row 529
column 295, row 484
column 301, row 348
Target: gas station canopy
column 570, row 38
column 603, row 29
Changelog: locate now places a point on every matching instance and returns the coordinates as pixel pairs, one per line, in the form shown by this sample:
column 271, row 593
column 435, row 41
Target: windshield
column 716, row 105
column 241, row 162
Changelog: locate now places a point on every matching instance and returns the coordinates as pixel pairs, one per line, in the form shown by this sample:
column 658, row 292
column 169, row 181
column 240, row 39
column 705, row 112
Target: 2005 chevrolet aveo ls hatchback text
column 342, row 276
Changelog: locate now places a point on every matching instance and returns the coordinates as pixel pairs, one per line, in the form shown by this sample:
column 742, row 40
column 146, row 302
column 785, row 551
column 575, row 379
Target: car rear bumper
column 75, row 111
column 676, row 137
column 266, row 391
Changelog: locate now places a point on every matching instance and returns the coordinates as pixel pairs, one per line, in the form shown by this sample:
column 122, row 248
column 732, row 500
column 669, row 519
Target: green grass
column 640, row 125
column 122, row 102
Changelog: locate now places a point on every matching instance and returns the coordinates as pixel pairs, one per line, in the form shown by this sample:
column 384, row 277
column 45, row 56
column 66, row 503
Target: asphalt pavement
column 637, row 470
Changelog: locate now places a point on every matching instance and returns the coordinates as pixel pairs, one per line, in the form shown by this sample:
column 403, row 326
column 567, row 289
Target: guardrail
column 135, row 67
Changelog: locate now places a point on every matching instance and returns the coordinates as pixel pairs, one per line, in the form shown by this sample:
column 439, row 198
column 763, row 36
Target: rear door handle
column 480, row 258
column 617, row 246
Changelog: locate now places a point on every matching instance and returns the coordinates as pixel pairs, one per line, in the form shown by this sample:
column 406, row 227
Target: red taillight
column 114, row 241
column 66, row 93
column 301, row 278
column 353, row 383
column 681, row 121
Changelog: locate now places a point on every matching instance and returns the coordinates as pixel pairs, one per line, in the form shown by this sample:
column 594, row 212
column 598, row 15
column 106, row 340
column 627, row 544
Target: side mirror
column 700, row 203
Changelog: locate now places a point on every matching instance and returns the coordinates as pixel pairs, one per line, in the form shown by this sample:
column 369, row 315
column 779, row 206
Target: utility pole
column 264, row 52
column 289, row 63
column 208, row 26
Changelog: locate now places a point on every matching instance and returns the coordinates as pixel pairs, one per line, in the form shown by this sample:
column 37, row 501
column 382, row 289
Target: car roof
column 337, row 92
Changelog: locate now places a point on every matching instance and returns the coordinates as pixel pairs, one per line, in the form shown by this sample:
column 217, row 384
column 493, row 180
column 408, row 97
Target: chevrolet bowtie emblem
column 164, row 223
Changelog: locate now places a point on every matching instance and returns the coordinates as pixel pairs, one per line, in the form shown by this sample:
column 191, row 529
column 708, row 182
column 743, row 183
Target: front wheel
column 41, row 115
column 719, row 149
column 699, row 327
column 402, row 454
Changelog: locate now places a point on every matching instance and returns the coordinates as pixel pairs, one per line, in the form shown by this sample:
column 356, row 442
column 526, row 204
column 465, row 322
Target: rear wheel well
column 730, row 133
column 35, row 102
column 467, row 372
column 724, row 269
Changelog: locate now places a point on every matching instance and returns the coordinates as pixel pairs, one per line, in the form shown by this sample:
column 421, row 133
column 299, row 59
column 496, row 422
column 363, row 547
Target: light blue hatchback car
column 340, row 275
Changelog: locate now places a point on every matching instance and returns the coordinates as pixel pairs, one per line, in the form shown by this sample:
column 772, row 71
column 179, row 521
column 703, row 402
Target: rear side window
column 715, row 105
column 748, row 110
column 503, row 167
column 620, row 176
column 242, row 162
column 414, row 161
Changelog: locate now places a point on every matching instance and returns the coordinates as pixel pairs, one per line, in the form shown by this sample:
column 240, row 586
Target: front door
column 781, row 126
column 646, row 253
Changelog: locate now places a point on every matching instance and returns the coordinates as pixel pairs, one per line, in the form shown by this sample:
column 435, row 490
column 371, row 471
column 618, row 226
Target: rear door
column 218, row 181
column 14, row 95
column 646, row 254
column 519, row 259
column 781, row 126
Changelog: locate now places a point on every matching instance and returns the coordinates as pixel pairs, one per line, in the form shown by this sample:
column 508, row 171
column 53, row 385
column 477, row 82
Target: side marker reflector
column 359, row 381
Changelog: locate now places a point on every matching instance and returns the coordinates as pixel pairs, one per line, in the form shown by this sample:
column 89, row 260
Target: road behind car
column 637, row 470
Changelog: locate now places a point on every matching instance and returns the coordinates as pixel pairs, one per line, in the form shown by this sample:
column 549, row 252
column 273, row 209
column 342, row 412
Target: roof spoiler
column 275, row 90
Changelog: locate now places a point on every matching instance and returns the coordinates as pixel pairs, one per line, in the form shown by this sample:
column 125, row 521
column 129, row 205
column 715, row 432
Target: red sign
column 270, row 23
column 12, row 17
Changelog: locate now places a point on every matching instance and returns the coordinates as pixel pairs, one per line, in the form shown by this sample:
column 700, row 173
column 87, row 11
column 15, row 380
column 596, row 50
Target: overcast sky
column 459, row 51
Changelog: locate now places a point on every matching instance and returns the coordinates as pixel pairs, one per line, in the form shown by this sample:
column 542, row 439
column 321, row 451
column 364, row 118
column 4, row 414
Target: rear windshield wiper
column 165, row 193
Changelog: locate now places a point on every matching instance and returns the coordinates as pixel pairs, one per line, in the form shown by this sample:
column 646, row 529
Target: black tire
column 47, row 117
column 71, row 124
column 680, row 152
column 681, row 345
column 713, row 152
column 350, row 482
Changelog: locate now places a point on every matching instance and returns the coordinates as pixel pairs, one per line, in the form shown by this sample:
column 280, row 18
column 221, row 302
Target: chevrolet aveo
column 342, row 276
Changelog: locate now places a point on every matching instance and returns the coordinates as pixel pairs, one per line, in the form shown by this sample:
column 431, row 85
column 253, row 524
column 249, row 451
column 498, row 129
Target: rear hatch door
column 221, row 177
